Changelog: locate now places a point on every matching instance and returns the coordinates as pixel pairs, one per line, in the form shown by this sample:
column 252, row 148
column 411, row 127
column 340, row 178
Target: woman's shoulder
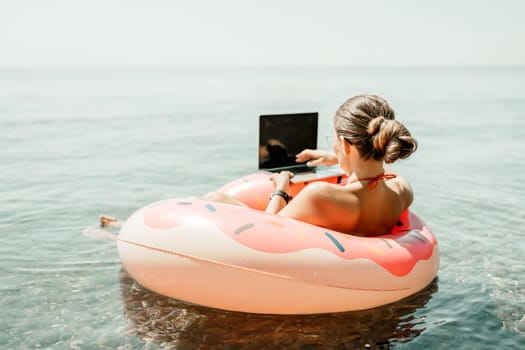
column 324, row 204
column 328, row 195
column 320, row 189
column 402, row 187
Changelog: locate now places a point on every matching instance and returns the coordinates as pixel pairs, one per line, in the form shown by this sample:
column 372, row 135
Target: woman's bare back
column 353, row 209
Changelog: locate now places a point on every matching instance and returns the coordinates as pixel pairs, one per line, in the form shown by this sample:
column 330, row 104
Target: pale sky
column 265, row 32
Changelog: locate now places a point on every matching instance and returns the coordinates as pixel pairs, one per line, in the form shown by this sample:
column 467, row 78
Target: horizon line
column 258, row 65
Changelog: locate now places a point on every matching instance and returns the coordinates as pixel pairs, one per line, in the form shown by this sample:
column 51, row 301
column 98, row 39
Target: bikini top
column 373, row 181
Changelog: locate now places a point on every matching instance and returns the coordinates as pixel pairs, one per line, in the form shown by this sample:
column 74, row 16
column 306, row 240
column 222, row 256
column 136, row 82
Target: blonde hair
column 368, row 122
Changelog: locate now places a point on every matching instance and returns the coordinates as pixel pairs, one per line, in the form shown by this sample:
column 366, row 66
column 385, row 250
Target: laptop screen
column 282, row 136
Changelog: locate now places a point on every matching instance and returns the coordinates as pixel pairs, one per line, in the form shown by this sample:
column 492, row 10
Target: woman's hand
column 314, row 157
column 281, row 180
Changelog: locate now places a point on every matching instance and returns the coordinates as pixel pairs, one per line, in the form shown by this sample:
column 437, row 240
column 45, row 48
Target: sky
column 265, row 32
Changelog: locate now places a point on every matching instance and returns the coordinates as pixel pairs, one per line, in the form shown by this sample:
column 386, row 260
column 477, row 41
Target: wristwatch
column 281, row 193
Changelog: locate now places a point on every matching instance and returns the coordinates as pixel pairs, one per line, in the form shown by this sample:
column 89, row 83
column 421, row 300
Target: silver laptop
column 281, row 137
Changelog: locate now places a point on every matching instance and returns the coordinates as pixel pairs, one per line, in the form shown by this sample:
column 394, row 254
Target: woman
column 371, row 202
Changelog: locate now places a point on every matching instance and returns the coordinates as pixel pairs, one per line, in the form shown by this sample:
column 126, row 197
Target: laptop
column 281, row 137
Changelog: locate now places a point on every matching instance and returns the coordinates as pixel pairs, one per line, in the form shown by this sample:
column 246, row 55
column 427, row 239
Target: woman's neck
column 365, row 170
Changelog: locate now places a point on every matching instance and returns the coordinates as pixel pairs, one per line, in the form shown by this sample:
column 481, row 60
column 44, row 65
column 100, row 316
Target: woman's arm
column 281, row 181
column 315, row 157
column 279, row 197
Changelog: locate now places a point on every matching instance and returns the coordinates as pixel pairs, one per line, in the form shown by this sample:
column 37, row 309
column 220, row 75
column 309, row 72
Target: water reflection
column 178, row 325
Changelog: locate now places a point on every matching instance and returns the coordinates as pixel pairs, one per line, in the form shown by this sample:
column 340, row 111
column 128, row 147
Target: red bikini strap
column 375, row 180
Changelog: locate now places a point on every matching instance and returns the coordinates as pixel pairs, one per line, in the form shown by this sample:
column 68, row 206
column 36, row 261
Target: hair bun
column 369, row 123
column 375, row 125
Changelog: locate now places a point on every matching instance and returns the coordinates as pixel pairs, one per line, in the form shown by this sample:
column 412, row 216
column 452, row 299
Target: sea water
column 76, row 142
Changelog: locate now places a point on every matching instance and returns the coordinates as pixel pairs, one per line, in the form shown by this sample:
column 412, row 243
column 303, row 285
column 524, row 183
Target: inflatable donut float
column 243, row 259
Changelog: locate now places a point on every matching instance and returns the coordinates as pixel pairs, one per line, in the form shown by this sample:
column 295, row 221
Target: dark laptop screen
column 282, row 136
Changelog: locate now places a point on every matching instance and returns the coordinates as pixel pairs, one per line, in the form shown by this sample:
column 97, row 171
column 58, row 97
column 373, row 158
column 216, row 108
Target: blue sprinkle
column 210, row 208
column 419, row 236
column 336, row 242
column 386, row 242
column 244, row 228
